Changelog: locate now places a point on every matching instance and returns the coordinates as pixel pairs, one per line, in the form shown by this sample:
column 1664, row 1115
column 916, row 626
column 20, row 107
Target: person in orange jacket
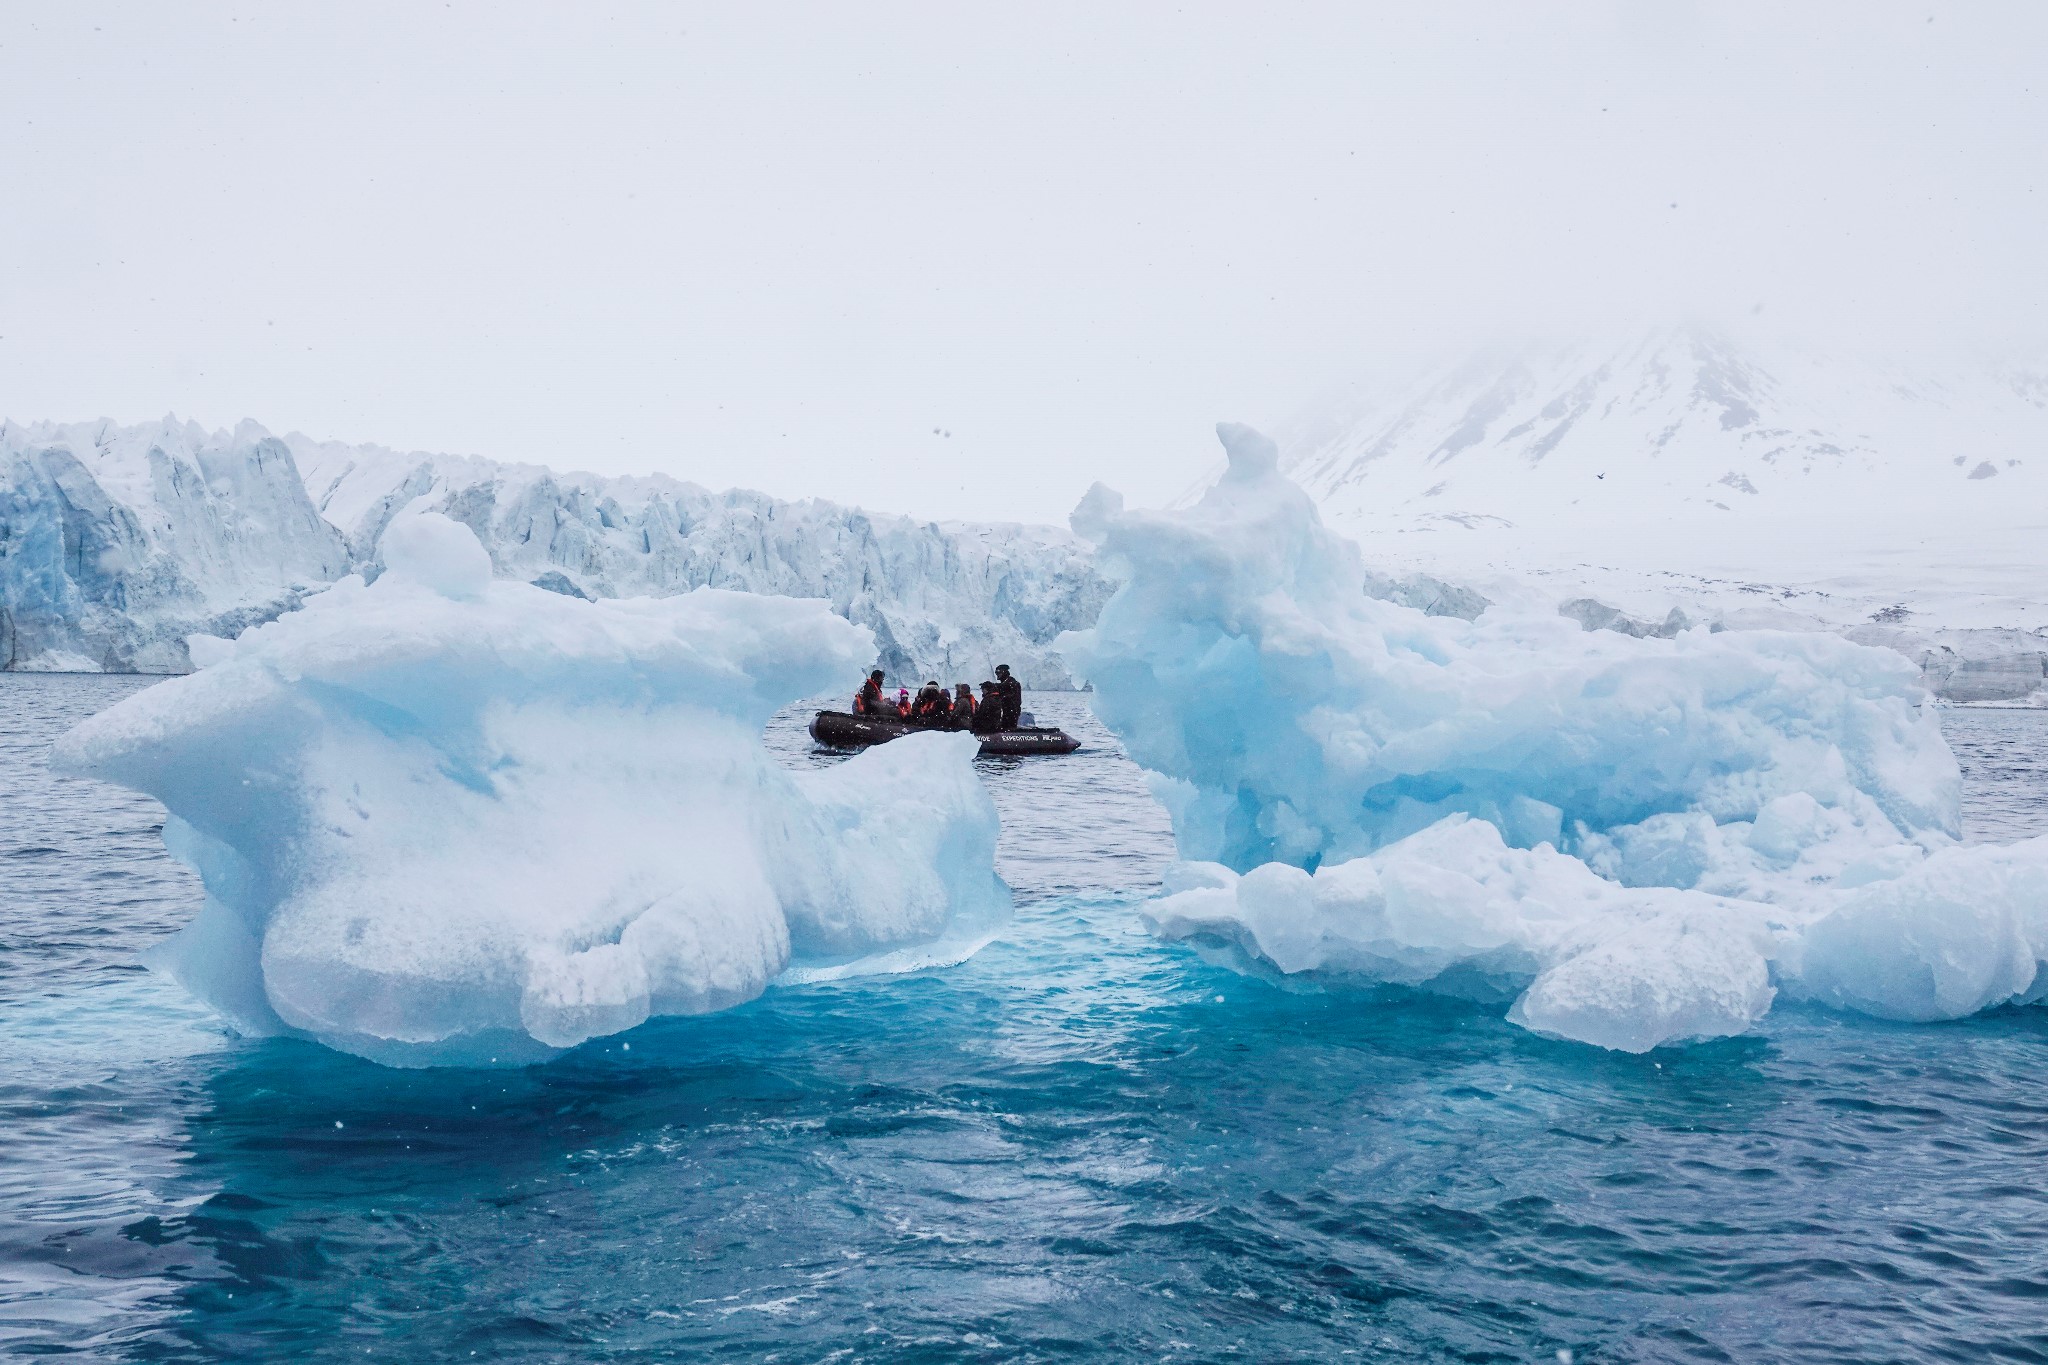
column 869, row 700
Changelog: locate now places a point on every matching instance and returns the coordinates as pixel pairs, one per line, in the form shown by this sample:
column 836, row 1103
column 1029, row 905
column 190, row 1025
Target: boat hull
column 843, row 730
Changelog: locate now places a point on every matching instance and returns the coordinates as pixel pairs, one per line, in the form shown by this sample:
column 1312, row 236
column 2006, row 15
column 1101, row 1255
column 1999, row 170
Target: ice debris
column 443, row 819
column 1637, row 841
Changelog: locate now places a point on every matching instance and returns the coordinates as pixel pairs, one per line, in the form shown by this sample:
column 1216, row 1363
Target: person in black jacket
column 962, row 717
column 988, row 717
column 931, row 709
column 1012, row 693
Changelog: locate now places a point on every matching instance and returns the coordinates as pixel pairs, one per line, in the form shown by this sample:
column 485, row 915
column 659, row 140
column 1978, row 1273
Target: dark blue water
column 1079, row 1145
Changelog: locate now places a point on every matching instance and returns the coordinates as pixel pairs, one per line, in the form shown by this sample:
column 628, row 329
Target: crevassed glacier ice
column 945, row 600
column 116, row 543
column 443, row 818
column 1639, row 840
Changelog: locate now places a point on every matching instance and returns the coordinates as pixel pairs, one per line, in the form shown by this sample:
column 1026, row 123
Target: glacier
column 444, row 818
column 1635, row 840
column 1607, row 484
column 118, row 542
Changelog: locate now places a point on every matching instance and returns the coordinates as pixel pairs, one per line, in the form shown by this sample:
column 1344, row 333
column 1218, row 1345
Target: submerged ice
column 443, row 818
column 1636, row 841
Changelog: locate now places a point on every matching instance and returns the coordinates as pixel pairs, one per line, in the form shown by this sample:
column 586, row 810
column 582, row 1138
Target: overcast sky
column 776, row 245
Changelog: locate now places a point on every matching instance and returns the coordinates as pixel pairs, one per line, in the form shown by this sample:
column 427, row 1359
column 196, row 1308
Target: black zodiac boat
column 842, row 730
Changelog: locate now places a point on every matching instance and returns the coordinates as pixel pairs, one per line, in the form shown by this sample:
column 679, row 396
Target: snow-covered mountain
column 1681, row 419
column 117, row 542
column 1740, row 483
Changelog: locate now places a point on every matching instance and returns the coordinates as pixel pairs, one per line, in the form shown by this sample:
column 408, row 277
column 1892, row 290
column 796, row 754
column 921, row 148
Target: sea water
column 1080, row 1144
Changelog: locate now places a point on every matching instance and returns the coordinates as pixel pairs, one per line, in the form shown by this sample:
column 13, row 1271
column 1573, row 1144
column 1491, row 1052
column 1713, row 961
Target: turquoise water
column 1081, row 1144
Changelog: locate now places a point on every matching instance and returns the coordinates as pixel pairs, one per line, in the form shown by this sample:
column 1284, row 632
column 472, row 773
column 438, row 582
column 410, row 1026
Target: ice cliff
column 1636, row 840
column 117, row 542
column 944, row 601
column 442, row 818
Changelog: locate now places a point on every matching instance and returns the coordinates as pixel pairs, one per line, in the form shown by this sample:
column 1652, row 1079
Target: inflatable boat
column 843, row 730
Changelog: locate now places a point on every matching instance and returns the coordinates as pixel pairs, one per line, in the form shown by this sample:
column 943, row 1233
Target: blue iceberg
column 442, row 819
column 1635, row 841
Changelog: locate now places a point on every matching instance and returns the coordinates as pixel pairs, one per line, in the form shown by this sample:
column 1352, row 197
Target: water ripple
column 1079, row 1144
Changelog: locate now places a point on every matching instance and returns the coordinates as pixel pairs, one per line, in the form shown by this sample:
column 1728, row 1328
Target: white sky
column 775, row 246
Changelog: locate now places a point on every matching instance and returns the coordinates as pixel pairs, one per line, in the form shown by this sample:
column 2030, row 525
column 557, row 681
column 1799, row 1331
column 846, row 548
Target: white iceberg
column 1639, row 841
column 1455, row 909
column 446, row 819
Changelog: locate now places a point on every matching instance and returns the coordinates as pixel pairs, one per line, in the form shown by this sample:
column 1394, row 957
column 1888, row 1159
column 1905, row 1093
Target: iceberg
column 1455, row 909
column 449, row 819
column 1635, row 840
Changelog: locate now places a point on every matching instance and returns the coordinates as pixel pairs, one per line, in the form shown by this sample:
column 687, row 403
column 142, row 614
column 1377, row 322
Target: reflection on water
column 1079, row 1144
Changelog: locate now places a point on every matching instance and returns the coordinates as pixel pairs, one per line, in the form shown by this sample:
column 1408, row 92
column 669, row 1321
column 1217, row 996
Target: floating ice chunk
column 1637, row 839
column 1679, row 978
column 1454, row 908
column 1963, row 931
column 442, row 819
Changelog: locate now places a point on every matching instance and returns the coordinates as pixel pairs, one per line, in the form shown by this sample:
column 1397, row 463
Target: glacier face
column 944, row 601
column 118, row 542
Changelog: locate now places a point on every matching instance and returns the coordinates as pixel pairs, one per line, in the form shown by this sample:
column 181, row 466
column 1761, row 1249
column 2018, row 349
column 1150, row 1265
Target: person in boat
column 963, row 708
column 932, row 709
column 988, row 717
column 1012, row 693
column 903, row 703
column 869, row 701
